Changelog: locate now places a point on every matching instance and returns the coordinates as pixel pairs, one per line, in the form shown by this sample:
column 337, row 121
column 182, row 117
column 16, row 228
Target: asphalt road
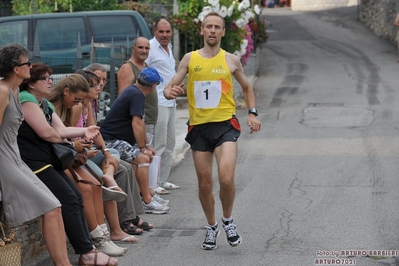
column 320, row 181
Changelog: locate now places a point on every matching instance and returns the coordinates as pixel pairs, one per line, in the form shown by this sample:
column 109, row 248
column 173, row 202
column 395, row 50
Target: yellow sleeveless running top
column 210, row 92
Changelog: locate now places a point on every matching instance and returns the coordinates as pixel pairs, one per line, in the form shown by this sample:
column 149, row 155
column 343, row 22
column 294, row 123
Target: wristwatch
column 253, row 111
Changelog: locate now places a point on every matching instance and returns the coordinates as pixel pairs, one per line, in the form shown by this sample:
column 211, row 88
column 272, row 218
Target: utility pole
column 176, row 36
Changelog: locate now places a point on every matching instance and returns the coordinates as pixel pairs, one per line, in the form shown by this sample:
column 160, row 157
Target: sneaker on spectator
column 160, row 200
column 155, row 208
column 233, row 238
column 210, row 238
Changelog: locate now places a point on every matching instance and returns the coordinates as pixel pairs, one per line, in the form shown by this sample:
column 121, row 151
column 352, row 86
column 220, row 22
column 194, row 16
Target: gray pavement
column 319, row 176
column 181, row 148
column 181, row 129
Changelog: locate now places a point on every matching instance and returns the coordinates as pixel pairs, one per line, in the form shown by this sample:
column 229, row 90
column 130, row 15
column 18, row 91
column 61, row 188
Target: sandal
column 168, row 185
column 161, row 191
column 144, row 225
column 96, row 252
column 129, row 229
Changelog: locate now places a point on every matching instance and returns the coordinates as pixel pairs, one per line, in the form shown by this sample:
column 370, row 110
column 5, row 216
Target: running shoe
column 155, row 208
column 233, row 238
column 210, row 238
column 160, row 200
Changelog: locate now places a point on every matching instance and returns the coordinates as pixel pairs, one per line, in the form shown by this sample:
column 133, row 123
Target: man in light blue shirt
column 161, row 58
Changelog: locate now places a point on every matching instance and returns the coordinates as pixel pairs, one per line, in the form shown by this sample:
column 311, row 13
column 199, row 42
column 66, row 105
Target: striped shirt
column 165, row 64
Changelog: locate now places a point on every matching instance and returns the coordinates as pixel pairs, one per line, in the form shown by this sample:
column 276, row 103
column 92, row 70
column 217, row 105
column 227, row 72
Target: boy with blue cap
column 124, row 130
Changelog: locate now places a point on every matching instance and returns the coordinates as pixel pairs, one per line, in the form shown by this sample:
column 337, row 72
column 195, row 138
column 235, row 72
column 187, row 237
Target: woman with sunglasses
column 16, row 179
column 34, row 139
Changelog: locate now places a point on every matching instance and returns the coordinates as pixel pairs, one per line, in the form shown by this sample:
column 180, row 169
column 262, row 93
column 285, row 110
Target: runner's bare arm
column 237, row 70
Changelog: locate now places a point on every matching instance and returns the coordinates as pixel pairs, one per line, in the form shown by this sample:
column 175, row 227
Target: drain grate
column 325, row 104
column 275, row 102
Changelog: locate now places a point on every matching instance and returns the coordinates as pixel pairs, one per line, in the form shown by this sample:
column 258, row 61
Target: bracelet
column 145, row 146
column 106, row 149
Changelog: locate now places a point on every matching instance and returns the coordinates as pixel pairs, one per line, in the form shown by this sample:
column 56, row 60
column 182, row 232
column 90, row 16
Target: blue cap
column 150, row 75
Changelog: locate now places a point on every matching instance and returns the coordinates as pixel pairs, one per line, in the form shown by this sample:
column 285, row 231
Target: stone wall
column 308, row 5
column 379, row 17
column 30, row 236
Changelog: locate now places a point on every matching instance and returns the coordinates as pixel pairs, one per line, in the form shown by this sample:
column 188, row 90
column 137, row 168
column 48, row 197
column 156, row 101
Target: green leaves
column 26, row 7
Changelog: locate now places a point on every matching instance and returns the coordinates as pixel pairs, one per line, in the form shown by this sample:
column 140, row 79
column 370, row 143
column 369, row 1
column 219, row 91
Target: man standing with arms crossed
column 162, row 59
column 213, row 126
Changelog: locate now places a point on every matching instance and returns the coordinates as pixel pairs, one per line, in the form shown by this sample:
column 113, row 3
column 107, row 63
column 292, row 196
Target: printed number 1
column 206, row 94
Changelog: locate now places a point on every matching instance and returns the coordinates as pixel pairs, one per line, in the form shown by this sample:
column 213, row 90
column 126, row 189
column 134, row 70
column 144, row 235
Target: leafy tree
column 26, row 7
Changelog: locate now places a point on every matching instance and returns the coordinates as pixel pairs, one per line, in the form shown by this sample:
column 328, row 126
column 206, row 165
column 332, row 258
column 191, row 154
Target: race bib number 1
column 207, row 93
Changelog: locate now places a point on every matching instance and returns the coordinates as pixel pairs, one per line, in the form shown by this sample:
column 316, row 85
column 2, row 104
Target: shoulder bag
column 63, row 153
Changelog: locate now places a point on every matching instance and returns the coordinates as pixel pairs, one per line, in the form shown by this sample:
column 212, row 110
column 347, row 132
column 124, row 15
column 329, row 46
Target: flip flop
column 161, row 191
column 168, row 185
column 126, row 240
column 110, row 193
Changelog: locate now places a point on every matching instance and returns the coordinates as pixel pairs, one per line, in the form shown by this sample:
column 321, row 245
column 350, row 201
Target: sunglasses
column 46, row 78
column 29, row 63
column 77, row 100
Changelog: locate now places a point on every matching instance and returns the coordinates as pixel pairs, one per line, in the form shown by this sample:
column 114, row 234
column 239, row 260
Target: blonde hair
column 75, row 83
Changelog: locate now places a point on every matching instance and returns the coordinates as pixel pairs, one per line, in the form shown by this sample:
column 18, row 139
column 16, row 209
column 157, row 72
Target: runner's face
column 212, row 30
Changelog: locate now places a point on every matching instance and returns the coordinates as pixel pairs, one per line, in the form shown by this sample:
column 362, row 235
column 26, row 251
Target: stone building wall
column 379, row 17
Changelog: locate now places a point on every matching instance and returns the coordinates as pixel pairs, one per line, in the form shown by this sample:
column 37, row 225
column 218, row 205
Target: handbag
column 80, row 158
column 63, row 155
column 10, row 253
column 78, row 179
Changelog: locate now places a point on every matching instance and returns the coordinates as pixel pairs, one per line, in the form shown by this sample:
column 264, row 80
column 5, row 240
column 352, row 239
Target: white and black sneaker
column 233, row 238
column 210, row 239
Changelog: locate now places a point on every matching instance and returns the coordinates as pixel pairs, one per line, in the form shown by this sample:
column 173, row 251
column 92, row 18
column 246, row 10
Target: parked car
column 53, row 38
column 58, row 35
